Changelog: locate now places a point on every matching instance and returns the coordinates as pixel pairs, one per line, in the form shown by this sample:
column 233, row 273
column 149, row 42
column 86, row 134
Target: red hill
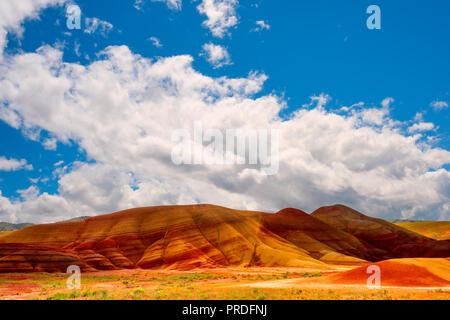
column 383, row 239
column 207, row 236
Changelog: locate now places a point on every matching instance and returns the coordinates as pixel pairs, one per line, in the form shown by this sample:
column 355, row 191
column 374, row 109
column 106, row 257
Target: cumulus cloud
column 97, row 25
column 13, row 13
column 360, row 158
column 439, row 105
column 221, row 15
column 374, row 116
column 14, row 164
column 216, row 55
column 421, row 126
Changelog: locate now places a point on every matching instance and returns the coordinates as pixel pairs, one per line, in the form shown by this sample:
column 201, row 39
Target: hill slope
column 207, row 236
column 409, row 272
column 181, row 237
column 383, row 239
column 321, row 240
column 439, row 230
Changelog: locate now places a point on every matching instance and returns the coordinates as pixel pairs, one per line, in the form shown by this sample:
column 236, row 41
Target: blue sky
column 305, row 48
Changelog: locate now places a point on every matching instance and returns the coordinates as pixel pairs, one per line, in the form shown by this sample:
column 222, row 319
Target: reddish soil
column 394, row 273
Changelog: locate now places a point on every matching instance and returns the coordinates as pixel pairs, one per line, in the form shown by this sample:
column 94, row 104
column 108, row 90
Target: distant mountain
column 5, row 226
column 77, row 219
column 208, row 236
column 401, row 221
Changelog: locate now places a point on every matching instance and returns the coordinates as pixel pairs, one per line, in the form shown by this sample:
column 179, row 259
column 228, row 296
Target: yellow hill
column 439, row 230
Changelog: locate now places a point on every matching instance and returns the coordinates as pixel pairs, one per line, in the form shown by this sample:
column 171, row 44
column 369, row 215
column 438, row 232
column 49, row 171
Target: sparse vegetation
column 160, row 285
column 311, row 275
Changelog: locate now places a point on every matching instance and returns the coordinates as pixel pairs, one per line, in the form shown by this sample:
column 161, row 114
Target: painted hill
column 409, row 272
column 439, row 230
column 207, row 236
column 383, row 239
column 181, row 237
column 321, row 240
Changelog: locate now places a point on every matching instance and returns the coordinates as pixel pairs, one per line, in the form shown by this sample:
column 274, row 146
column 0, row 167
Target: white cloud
column 138, row 4
column 171, row 4
column 439, row 105
column 96, row 25
column 355, row 105
column 50, row 143
column 221, row 15
column 13, row 13
column 76, row 48
column 216, row 55
column 57, row 164
column 36, row 207
column 29, row 194
column 260, row 26
column 387, row 102
column 156, row 42
column 319, row 101
column 418, row 117
column 374, row 116
column 14, row 164
column 421, row 126
column 360, row 158
column 34, row 180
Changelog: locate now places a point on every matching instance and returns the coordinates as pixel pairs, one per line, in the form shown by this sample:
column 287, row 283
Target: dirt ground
column 205, row 284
